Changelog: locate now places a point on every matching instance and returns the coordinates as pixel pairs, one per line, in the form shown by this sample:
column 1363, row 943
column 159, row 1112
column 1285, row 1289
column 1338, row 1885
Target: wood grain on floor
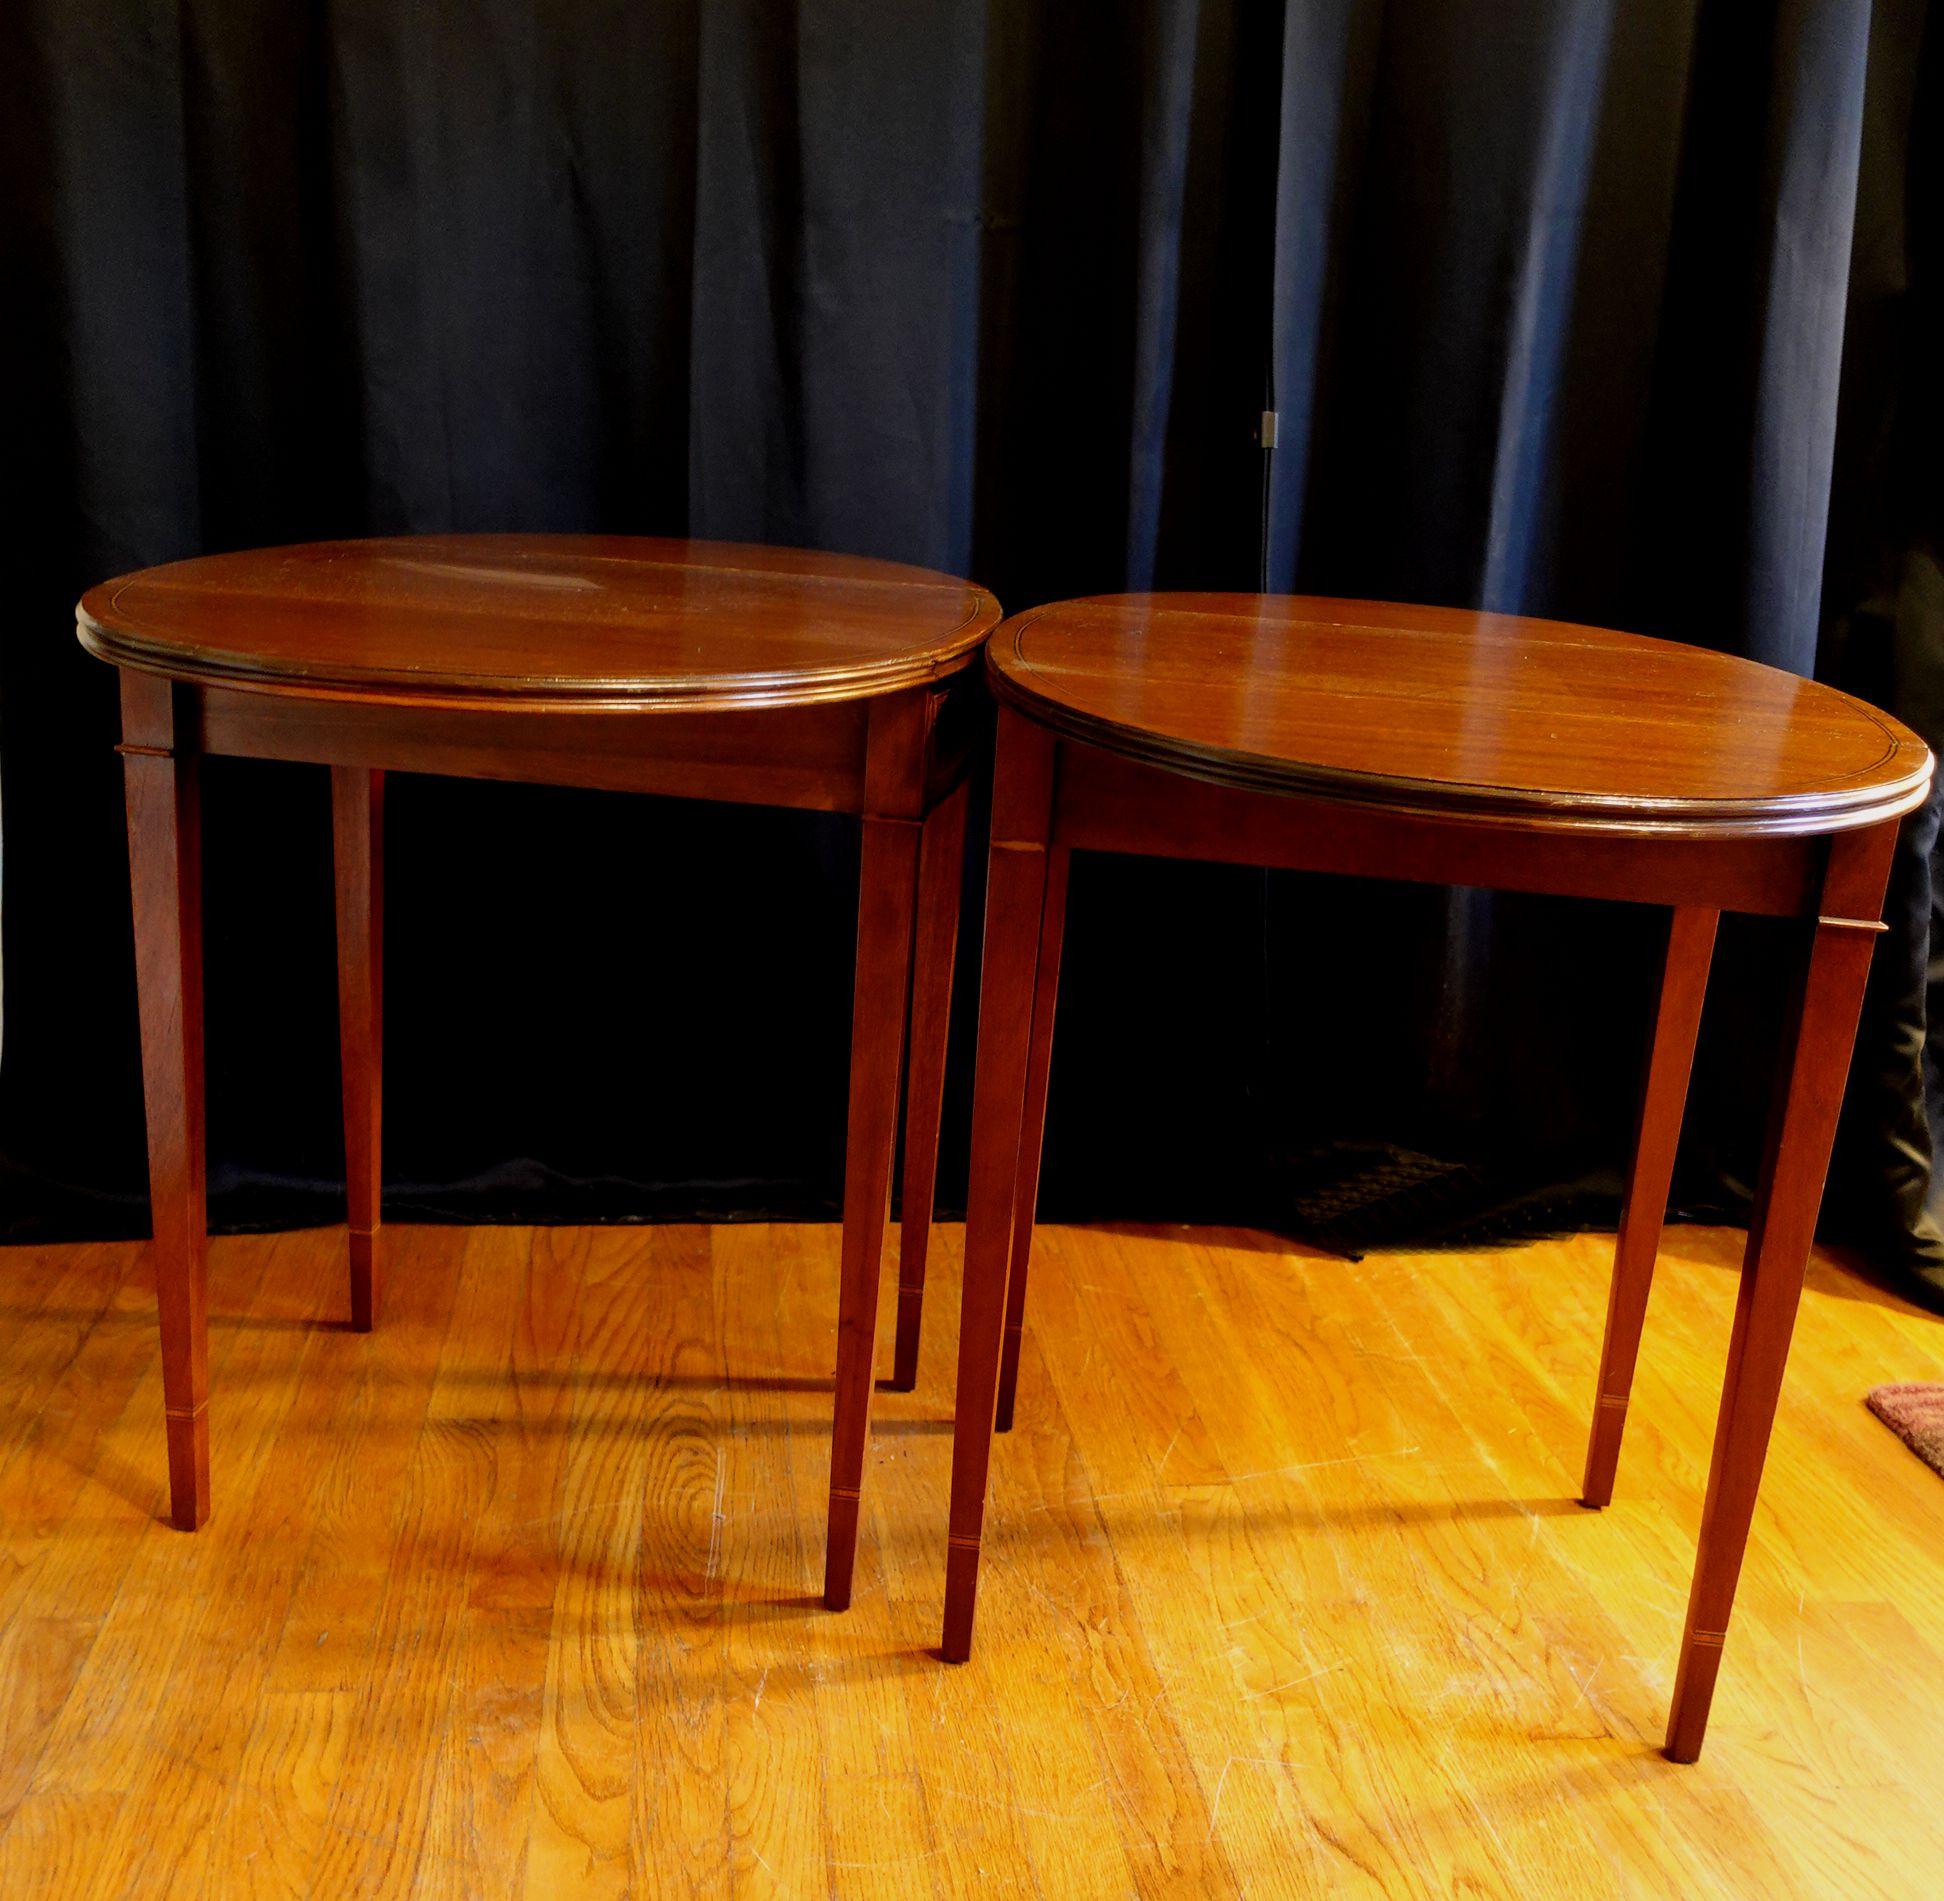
column 1286, row 1589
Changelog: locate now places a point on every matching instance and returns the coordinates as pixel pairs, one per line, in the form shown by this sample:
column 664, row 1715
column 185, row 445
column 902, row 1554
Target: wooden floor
column 1286, row 1591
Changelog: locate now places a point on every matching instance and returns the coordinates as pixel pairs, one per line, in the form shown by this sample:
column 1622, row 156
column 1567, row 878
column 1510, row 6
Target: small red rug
column 1914, row 1411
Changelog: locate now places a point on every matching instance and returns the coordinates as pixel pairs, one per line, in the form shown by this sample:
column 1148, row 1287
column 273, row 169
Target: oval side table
column 697, row 669
column 1454, row 748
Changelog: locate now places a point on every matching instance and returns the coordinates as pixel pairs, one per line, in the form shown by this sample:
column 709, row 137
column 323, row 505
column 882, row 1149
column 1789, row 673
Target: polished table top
column 588, row 621
column 1448, row 711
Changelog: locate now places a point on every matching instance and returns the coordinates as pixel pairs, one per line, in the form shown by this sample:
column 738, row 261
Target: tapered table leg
column 357, row 827
column 1032, row 1130
column 1677, row 1022
column 162, row 779
column 941, row 871
column 887, row 909
column 1809, row 1093
column 1015, row 900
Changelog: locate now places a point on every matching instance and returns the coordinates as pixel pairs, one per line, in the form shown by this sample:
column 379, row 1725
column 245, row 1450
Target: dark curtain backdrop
column 1617, row 310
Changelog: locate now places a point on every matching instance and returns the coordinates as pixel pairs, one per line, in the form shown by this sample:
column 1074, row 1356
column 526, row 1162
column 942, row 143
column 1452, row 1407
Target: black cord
column 1267, row 434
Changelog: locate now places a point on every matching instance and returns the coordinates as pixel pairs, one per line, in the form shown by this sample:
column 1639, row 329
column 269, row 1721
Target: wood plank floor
column 1287, row 1593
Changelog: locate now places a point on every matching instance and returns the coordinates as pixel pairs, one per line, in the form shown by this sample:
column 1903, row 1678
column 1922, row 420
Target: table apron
column 1107, row 803
column 812, row 756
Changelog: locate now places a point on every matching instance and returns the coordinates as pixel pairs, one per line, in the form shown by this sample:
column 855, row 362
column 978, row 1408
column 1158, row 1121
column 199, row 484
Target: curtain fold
column 1623, row 313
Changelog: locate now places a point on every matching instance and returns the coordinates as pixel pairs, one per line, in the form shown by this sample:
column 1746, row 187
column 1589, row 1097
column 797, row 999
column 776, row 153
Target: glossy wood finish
column 1808, row 1094
column 358, row 849
column 508, row 1595
column 164, row 791
column 689, row 669
column 941, row 861
column 1677, row 1023
column 1122, row 805
column 1022, row 796
column 886, row 929
column 1448, row 747
column 1032, row 1130
column 810, row 757
column 1475, row 715
column 542, row 622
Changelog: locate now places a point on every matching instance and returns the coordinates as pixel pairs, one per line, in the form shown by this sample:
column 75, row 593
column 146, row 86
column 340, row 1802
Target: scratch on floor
column 1593, row 1676
column 1161, row 1464
column 1317, row 1465
column 578, row 1511
column 715, row 1523
column 1221, row 1782
column 1215, row 1807
column 1234, row 1479
column 1329, row 1669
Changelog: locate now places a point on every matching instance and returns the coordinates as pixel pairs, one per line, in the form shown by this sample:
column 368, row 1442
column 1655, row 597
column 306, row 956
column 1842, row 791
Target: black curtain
column 1614, row 310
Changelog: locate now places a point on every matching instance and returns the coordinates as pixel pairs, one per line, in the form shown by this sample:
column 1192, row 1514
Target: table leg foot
column 364, row 1281
column 910, row 1324
column 1603, row 1451
column 1694, row 1684
column 188, row 1436
column 1002, row 1417
column 961, row 1598
column 840, row 1550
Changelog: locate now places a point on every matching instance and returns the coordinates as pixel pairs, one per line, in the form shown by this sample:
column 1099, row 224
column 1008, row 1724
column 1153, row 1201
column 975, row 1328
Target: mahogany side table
column 699, row 669
column 1453, row 748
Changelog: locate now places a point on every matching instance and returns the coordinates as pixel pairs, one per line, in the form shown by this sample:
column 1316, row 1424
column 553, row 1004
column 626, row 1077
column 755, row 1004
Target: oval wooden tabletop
column 1443, row 710
column 542, row 621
